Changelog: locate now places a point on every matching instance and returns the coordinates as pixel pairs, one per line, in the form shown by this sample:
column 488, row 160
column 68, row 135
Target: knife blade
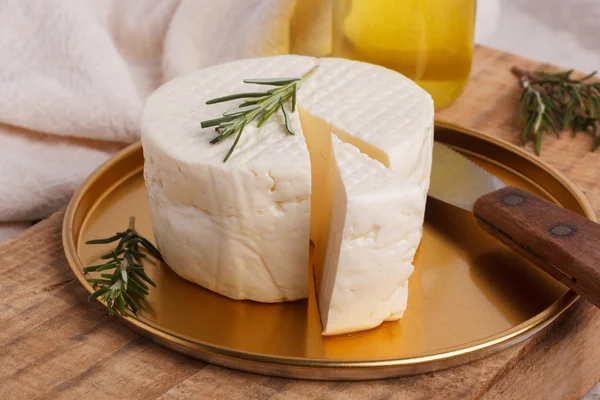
column 457, row 180
column 561, row 242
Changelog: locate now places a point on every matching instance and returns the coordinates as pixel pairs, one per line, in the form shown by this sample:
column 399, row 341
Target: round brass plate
column 469, row 296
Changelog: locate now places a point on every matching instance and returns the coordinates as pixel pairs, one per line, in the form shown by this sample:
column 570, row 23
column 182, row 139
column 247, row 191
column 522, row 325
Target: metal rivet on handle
column 513, row 199
column 562, row 230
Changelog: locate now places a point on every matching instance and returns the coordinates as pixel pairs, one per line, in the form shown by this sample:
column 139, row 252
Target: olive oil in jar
column 429, row 41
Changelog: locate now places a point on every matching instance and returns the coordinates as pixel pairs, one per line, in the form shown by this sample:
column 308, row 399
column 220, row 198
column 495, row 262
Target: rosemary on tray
column 553, row 102
column 255, row 105
column 128, row 280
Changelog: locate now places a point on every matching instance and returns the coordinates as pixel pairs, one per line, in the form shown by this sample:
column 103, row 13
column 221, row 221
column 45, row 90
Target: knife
column 562, row 243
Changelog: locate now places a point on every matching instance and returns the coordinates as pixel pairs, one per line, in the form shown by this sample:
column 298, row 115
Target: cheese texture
column 375, row 229
column 242, row 228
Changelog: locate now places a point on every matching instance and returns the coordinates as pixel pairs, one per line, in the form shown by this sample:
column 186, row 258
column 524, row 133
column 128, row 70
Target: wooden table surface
column 55, row 344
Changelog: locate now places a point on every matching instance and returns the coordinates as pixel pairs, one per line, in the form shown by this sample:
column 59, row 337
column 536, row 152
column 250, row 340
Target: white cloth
column 74, row 75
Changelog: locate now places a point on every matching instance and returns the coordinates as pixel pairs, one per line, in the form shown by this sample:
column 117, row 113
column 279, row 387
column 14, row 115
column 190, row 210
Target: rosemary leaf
column 527, row 129
column 137, row 254
column 568, row 119
column 288, row 123
column 551, row 122
column 240, row 111
column 597, row 107
column 137, row 282
column 127, row 257
column 524, row 103
column 136, row 292
column 294, row 97
column 215, row 122
column 257, row 100
column 137, row 287
column 267, row 114
column 99, row 281
column 271, row 81
column 122, row 242
column 129, row 300
column 237, row 139
column 121, row 304
column 97, row 293
column 588, row 76
column 101, row 267
column 150, row 247
column 145, row 277
column 104, row 241
column 217, row 139
column 112, row 254
column 234, row 97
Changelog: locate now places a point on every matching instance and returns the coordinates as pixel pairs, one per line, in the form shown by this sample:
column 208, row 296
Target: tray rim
column 325, row 369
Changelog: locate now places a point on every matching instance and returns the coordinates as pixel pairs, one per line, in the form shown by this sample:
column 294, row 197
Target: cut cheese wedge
column 374, row 230
column 242, row 228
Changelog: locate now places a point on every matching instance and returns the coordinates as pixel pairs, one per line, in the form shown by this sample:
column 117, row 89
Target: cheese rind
column 375, row 231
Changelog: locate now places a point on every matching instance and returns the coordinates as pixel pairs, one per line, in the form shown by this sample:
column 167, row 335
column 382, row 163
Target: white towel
column 74, row 75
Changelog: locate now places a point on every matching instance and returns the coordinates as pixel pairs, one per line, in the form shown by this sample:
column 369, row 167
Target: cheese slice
column 374, row 230
column 242, row 228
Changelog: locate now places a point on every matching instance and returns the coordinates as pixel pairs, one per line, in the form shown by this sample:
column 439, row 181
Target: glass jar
column 429, row 41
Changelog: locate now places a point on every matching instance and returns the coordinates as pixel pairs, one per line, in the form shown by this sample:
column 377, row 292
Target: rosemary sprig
column 256, row 105
column 128, row 281
column 553, row 102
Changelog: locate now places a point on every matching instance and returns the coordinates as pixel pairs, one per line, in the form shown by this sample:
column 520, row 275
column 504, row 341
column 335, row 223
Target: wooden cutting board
column 55, row 344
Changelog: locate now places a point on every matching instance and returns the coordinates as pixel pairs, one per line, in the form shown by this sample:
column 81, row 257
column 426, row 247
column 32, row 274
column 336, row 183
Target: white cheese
column 375, row 229
column 242, row 228
column 239, row 228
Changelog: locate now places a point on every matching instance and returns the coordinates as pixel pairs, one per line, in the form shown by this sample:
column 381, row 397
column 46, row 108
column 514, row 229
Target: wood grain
column 54, row 344
column 562, row 243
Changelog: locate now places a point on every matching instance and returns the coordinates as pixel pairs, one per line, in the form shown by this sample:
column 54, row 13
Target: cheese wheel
column 242, row 228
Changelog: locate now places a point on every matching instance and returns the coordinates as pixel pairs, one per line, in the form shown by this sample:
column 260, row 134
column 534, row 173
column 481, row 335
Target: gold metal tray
column 469, row 296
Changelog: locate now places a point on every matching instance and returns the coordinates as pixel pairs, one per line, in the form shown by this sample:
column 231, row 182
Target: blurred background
column 564, row 33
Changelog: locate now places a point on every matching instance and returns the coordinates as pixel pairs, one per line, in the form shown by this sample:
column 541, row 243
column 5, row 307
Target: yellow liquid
column 429, row 41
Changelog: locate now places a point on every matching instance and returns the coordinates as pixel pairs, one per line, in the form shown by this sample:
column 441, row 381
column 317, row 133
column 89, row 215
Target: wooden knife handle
column 562, row 243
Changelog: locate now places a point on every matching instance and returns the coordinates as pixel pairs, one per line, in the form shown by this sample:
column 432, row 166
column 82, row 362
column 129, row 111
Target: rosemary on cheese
column 256, row 105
